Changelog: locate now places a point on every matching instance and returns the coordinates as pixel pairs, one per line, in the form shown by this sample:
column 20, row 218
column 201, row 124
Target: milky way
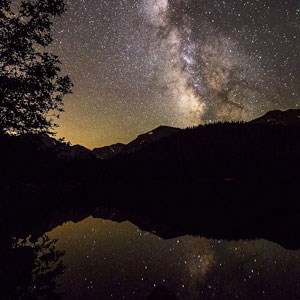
column 140, row 64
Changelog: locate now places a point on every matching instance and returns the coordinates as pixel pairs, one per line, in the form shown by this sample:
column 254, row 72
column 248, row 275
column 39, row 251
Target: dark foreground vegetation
column 228, row 181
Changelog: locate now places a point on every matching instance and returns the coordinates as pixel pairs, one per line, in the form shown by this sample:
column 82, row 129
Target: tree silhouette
column 30, row 82
column 31, row 270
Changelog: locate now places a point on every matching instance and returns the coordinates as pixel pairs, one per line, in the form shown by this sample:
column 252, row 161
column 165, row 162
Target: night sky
column 138, row 64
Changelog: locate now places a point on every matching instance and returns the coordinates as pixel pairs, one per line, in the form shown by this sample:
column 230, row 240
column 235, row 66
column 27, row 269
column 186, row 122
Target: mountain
column 46, row 144
column 40, row 141
column 278, row 117
column 147, row 138
column 142, row 140
column 79, row 152
column 49, row 145
column 108, row 151
column 223, row 180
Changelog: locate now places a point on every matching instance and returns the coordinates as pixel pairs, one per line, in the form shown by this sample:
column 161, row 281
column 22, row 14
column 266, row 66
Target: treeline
column 238, row 180
column 228, row 151
column 223, row 151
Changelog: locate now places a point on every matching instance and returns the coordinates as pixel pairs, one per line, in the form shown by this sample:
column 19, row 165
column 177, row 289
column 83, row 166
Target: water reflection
column 29, row 269
column 108, row 260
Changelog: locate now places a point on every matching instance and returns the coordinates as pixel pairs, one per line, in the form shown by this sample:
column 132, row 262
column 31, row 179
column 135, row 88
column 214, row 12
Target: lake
column 102, row 259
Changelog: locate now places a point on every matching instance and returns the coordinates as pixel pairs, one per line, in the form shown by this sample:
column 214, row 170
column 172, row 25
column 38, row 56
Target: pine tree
column 31, row 86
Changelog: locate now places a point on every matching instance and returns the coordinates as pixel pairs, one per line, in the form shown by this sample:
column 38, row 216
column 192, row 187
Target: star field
column 136, row 65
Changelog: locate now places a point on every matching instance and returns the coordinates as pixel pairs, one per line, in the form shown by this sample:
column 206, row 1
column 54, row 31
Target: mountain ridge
column 66, row 151
column 273, row 117
column 223, row 180
column 279, row 117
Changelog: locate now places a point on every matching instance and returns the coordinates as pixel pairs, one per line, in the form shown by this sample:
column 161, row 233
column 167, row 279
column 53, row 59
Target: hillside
column 231, row 180
column 278, row 117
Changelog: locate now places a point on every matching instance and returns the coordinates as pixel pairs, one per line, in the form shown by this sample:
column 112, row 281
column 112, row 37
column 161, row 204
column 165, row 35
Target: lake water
column 103, row 259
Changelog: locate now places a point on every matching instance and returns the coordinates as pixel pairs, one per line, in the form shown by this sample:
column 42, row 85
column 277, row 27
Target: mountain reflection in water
column 109, row 260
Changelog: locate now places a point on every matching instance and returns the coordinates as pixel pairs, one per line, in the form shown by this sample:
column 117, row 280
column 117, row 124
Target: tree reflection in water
column 32, row 269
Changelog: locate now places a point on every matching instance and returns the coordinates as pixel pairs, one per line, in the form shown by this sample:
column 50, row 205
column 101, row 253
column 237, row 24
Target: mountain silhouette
column 278, row 117
column 141, row 141
column 224, row 180
column 108, row 151
column 149, row 137
column 43, row 143
column 60, row 149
